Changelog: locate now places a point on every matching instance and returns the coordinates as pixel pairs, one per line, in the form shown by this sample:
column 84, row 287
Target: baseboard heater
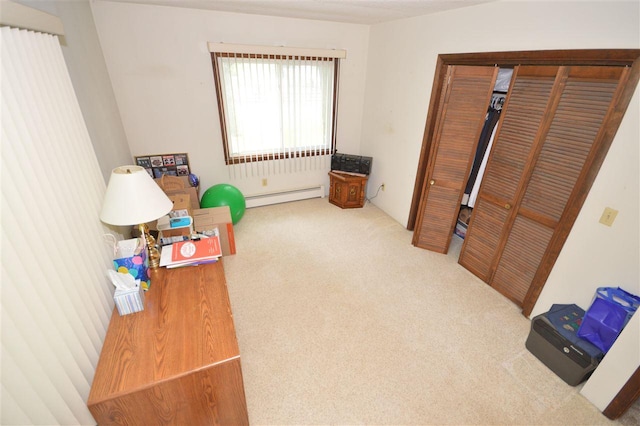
column 297, row 194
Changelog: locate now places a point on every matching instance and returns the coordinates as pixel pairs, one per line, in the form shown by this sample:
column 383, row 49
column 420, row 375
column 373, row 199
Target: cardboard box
column 173, row 183
column 194, row 201
column 176, row 190
column 181, row 201
column 220, row 217
column 183, row 198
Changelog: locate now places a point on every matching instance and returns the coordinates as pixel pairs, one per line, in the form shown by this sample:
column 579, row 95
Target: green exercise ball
column 224, row 194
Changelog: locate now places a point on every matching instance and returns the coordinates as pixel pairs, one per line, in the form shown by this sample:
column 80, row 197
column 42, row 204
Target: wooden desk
column 176, row 362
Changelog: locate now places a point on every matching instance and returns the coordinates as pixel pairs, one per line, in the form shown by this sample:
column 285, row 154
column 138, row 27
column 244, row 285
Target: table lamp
column 133, row 198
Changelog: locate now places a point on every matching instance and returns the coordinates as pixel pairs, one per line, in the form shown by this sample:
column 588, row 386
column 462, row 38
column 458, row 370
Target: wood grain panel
column 175, row 316
column 576, row 125
column 506, row 172
column 623, row 64
column 462, row 110
column 482, row 239
column 582, row 98
column 526, row 244
column 442, row 204
column 521, row 120
column 347, row 191
column 176, row 362
column 195, row 399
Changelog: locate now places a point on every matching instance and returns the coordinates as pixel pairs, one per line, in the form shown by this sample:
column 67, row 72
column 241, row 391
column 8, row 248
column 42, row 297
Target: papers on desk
column 191, row 252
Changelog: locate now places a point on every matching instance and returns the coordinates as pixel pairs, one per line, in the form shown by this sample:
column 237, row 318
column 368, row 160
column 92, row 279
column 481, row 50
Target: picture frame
column 157, row 165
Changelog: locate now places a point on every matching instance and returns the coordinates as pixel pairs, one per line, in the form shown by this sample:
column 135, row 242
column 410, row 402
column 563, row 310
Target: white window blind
column 276, row 106
column 275, row 103
column 56, row 301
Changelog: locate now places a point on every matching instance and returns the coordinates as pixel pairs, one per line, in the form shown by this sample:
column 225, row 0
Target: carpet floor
column 340, row 320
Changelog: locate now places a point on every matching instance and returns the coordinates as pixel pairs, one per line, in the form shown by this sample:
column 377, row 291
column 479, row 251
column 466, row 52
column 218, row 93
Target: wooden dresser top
column 186, row 325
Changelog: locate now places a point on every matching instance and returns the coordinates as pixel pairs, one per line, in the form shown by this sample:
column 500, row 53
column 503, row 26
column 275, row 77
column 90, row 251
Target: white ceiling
column 351, row 11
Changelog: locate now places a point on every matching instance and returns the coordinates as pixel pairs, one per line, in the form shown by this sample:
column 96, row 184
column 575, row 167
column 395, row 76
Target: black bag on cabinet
column 351, row 163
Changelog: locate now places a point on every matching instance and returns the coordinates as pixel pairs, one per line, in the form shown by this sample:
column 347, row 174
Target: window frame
column 294, row 153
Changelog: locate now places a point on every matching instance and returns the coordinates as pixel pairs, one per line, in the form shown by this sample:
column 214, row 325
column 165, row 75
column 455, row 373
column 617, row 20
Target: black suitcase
column 553, row 341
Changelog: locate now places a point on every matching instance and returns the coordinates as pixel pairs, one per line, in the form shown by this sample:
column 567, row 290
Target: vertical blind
column 56, row 302
column 277, row 106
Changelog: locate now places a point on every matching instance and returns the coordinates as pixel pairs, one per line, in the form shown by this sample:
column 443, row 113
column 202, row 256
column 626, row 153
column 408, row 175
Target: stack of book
column 191, row 252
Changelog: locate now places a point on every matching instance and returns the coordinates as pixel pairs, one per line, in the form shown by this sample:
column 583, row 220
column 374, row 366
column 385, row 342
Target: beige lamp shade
column 133, row 197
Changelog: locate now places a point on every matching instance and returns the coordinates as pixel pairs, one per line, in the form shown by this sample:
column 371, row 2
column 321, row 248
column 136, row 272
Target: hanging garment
column 473, row 196
column 493, row 115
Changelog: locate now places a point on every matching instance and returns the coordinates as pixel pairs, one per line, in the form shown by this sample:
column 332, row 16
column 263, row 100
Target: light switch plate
column 608, row 216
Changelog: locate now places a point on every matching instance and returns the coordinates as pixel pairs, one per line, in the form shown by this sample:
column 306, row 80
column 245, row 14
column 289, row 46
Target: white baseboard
column 297, row 194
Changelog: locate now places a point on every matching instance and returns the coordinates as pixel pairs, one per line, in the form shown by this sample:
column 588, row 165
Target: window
column 275, row 106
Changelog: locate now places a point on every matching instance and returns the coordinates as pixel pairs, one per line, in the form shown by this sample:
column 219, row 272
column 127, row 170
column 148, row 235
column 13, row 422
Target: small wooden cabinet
column 176, row 362
column 347, row 190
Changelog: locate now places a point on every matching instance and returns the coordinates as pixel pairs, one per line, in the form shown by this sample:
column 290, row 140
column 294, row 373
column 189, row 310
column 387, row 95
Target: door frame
column 625, row 398
column 610, row 57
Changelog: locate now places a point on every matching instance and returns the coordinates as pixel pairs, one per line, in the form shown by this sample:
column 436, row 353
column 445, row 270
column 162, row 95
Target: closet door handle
column 432, row 182
column 507, row 206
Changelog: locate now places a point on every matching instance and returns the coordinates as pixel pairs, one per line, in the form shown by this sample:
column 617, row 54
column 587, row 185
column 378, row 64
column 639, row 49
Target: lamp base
column 154, row 253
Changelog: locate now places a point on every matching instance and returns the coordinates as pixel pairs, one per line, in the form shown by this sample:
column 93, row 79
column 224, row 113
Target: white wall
column 163, row 80
column 400, row 72
column 401, row 65
column 88, row 71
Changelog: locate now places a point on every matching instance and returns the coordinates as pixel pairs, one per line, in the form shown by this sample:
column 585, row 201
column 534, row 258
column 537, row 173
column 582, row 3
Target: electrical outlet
column 382, row 186
column 264, row 182
column 608, row 216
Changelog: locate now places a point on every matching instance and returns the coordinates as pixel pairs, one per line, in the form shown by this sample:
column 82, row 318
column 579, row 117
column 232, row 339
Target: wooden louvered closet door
column 461, row 113
column 504, row 176
column 544, row 147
